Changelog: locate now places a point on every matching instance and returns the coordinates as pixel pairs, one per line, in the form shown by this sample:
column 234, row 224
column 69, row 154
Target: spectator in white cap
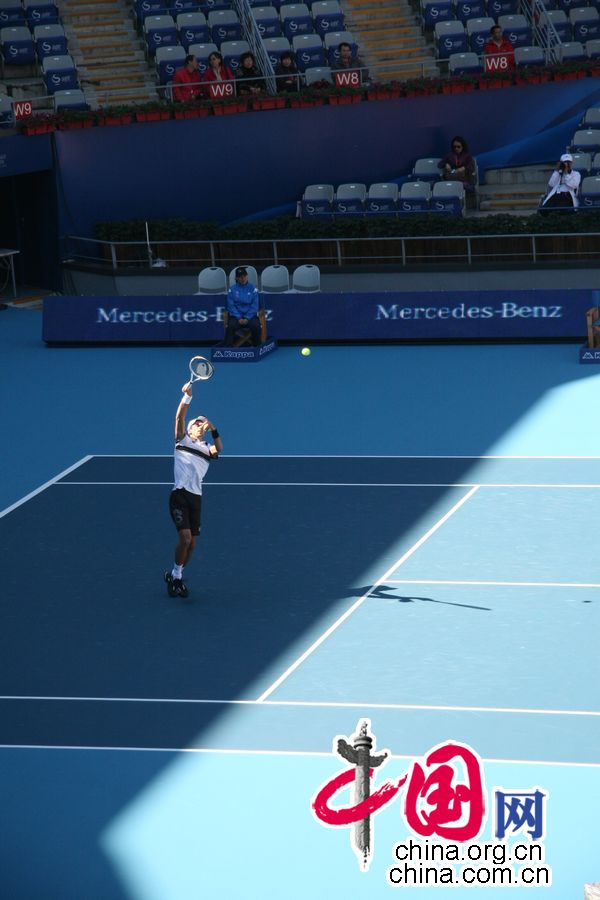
column 563, row 186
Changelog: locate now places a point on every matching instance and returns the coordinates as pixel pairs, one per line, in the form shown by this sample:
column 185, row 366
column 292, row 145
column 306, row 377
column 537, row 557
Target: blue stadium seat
column 224, row 26
column 382, row 199
column 434, row 11
column 210, row 5
column 415, row 197
column 497, row 8
column 296, row 19
column 426, row 169
column 38, row 12
column 517, row 29
column 589, row 192
column 331, row 42
column 7, row 115
column 316, row 74
column 459, row 63
column 595, row 168
column 202, row 52
column 50, row 40
column 586, row 141
column 308, row 51
column 470, row 9
column 449, row 38
column 159, row 31
column 11, row 13
column 317, row 200
column 567, row 5
column 582, row 163
column 591, row 117
column 327, row 16
column 74, row 99
column 350, row 199
column 17, row 46
column 60, row 73
column 558, row 19
column 478, row 32
column 145, row 8
column 232, row 50
column 592, row 49
column 448, row 197
column 180, row 7
column 267, row 21
column 192, row 29
column 585, row 23
column 573, row 50
column 274, row 47
column 529, row 56
column 168, row 60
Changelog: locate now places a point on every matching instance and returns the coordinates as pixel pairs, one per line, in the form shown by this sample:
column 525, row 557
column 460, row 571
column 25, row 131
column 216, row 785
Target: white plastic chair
column 275, row 280
column 306, row 279
column 212, row 280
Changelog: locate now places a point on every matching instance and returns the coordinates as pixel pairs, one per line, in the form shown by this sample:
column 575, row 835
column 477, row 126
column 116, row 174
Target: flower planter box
column 229, row 109
column 199, row 112
column 569, row 76
column 494, row 85
column 344, row 100
column 38, row 129
column 76, row 123
column 304, row 104
column 268, row 103
column 126, row 119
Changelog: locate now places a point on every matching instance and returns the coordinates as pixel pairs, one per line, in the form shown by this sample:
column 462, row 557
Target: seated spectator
column 186, row 81
column 242, row 306
column 563, row 186
column 458, row 165
column 287, row 74
column 347, row 62
column 249, row 79
column 217, row 71
column 500, row 49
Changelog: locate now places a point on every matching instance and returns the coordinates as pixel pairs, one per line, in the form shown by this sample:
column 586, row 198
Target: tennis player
column 193, row 456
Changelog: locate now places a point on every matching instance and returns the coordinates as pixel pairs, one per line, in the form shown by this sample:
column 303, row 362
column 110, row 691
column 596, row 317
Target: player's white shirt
column 191, row 464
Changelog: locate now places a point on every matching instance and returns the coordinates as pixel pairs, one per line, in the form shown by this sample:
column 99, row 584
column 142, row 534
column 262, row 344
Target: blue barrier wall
column 225, row 168
column 432, row 315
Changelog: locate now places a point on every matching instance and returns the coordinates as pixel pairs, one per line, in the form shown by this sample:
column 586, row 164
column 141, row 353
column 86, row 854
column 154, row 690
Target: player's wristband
column 186, row 399
column 215, row 434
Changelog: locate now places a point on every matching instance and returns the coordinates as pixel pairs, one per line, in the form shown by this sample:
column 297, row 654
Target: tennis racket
column 200, row 369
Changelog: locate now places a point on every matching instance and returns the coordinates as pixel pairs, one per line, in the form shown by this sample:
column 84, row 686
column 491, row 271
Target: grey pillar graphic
column 360, row 755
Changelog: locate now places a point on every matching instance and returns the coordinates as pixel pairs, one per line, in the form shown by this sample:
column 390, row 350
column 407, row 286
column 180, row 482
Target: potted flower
column 68, row 119
column 227, row 106
column 269, row 101
column 154, row 111
column 191, row 110
column 115, row 115
column 40, row 123
column 345, row 96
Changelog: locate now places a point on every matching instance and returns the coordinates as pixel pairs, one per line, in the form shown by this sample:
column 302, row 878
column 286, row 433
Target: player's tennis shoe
column 180, row 587
column 171, row 585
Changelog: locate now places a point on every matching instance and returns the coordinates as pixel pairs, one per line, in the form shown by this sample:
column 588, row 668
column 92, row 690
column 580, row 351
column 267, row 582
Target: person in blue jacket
column 242, row 306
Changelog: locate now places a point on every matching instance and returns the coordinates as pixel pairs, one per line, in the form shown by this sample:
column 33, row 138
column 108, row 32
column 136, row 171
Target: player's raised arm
column 182, row 411
column 218, row 443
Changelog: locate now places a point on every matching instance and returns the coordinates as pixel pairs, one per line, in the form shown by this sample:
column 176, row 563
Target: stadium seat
column 7, row 115
column 382, row 199
column 567, row 5
column 316, row 74
column 449, row 38
column 587, row 141
column 202, row 52
column 70, row 100
column 478, row 32
column 59, row 73
column 232, row 50
column 434, row 11
column 308, row 51
column 558, row 19
column 470, row 9
column 181, row 7
column 159, row 31
column 327, row 16
column 192, row 29
column 275, row 280
column 426, row 169
column 415, row 196
column 267, row 21
column 210, row 5
column 317, row 200
column 274, row 47
column 145, row 8
column 592, row 49
column 212, row 280
column 497, row 8
column 529, row 56
column 589, row 192
column 224, row 26
column 49, row 40
column 306, row 279
column 585, row 22
column 252, row 274
column 168, row 60
column 350, row 199
column 17, row 46
column 516, row 29
column 333, row 39
column 448, row 197
column 459, row 63
column 296, row 19
column 38, row 12
column 11, row 13
column 582, row 163
column 574, row 50
column 595, row 168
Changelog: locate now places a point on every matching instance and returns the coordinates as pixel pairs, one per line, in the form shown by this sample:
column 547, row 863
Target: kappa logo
column 594, row 355
column 217, row 354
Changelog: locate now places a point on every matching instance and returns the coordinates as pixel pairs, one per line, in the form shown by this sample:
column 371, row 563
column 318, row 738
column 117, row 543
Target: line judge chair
column 242, row 334
column 592, row 318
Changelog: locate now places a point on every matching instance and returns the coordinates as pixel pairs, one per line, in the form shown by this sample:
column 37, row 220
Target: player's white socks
column 177, row 571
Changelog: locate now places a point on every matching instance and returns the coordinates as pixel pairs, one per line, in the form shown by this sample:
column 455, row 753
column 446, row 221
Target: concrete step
column 376, row 33
column 393, row 48
column 520, row 174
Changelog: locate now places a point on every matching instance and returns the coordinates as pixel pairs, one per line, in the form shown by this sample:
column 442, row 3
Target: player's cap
column 566, row 157
column 241, row 270
column 197, row 419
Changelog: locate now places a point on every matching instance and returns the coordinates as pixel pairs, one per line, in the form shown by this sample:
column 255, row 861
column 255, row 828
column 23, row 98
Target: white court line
column 43, row 487
column 361, row 600
column 232, row 751
column 561, row 584
column 331, row 456
column 326, row 704
column 393, row 484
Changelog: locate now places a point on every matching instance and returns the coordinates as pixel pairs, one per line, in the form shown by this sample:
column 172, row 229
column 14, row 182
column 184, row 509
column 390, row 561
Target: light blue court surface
column 400, row 533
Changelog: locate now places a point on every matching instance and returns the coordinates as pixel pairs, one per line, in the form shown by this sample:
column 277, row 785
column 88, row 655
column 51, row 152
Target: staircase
column 514, row 190
column 389, row 38
column 108, row 52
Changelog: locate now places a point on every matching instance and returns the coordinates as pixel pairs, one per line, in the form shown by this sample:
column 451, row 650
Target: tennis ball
column 305, row 351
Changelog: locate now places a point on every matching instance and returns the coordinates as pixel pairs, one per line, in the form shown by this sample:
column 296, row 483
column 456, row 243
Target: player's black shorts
column 185, row 509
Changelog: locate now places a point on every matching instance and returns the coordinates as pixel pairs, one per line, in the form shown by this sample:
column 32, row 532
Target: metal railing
column 335, row 252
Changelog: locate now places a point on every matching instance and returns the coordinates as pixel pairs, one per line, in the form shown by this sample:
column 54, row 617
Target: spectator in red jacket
column 186, row 82
column 217, row 71
column 500, row 49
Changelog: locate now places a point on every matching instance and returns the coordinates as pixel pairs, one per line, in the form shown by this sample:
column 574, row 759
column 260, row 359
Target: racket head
column 201, row 369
